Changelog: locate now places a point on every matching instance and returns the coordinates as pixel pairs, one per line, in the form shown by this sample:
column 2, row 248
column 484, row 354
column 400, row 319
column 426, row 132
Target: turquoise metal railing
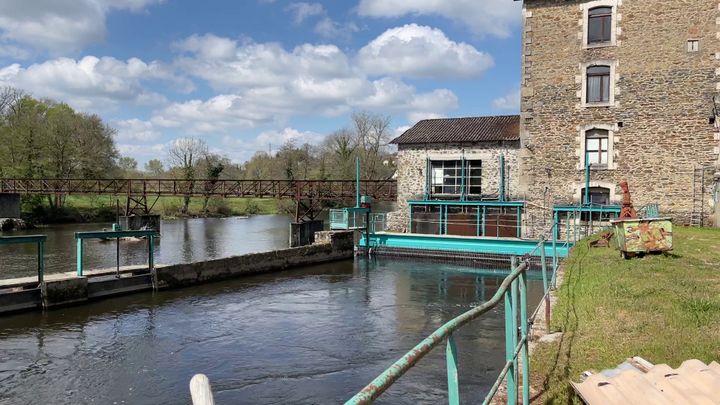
column 27, row 239
column 106, row 235
column 513, row 294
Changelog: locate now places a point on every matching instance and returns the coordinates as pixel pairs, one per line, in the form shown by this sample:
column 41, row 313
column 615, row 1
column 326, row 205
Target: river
column 314, row 335
column 182, row 241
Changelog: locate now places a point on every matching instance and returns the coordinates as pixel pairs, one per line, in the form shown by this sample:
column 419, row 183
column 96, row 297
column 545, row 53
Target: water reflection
column 314, row 335
column 182, row 241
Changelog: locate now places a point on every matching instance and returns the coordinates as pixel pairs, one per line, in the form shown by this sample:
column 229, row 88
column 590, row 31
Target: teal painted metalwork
column 586, row 200
column 523, row 339
column 501, row 188
column 452, row 372
column 348, row 218
column 81, row 236
column 38, row 240
column 513, row 204
column 462, row 178
column 513, row 292
column 468, row 244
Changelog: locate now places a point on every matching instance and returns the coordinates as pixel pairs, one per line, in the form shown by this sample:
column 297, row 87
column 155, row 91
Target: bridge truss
column 310, row 196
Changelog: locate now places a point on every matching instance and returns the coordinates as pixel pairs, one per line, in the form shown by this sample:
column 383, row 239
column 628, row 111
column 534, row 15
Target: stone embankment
column 69, row 289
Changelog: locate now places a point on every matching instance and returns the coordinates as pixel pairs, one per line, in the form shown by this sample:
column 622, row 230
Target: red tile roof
column 462, row 130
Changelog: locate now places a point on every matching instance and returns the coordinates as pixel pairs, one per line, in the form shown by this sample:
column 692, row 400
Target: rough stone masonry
column 664, row 57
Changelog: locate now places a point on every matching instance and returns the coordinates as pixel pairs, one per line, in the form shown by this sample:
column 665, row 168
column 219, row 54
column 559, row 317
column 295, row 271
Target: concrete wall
column 663, row 99
column 9, row 205
column 303, row 234
column 412, row 167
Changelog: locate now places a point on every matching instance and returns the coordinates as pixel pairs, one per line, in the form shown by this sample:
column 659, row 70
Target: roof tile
column 463, row 130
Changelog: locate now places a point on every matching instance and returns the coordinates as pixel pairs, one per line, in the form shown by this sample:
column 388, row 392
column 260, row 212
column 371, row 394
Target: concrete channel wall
column 68, row 289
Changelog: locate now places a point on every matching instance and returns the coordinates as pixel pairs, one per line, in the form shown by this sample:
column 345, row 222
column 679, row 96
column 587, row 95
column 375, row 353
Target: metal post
column 586, row 200
column 510, row 348
column 41, row 261
column 477, row 218
column 546, row 289
column 524, row 337
column 115, row 228
column 357, row 182
column 151, row 252
column 484, row 219
column 501, row 189
column 514, row 298
column 555, row 259
column 79, row 257
column 519, row 222
column 452, row 372
column 575, row 227
column 462, row 178
column 428, row 178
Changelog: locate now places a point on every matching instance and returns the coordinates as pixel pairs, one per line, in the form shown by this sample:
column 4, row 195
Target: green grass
column 170, row 207
column 664, row 308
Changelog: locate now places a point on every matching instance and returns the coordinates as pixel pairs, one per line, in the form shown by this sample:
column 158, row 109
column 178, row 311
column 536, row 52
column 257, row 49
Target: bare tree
column 185, row 154
column 372, row 135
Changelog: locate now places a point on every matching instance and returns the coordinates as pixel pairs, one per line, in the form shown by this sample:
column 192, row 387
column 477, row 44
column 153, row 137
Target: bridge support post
column 9, row 205
column 303, row 233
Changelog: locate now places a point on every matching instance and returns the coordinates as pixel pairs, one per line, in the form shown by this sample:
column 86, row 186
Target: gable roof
column 465, row 130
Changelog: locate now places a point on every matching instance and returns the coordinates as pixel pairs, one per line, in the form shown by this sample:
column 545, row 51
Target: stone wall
column 663, row 100
column 412, row 167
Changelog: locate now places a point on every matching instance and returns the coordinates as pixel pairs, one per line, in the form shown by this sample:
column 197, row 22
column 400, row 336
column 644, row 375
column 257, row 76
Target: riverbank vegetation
column 48, row 139
column 664, row 308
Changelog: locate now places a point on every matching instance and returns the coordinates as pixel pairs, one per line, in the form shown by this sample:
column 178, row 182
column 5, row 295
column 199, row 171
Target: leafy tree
column 154, row 168
column 185, row 155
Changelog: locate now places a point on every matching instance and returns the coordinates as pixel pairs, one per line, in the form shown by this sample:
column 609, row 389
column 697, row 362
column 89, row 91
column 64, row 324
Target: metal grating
column 693, row 382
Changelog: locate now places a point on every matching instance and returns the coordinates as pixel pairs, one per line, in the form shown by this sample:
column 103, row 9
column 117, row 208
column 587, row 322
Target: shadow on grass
column 560, row 368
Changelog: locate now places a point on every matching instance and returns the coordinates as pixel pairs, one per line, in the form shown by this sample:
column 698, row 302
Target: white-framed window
column 693, row 45
column 447, row 177
column 596, row 145
column 598, row 84
column 599, row 23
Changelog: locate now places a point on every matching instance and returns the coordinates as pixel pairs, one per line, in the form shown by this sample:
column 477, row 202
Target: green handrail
column 26, row 239
column 515, row 345
column 80, row 236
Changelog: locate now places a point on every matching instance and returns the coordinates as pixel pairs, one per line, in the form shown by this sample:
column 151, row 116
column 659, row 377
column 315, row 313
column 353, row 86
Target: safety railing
column 513, row 294
column 39, row 240
column 117, row 235
column 348, row 218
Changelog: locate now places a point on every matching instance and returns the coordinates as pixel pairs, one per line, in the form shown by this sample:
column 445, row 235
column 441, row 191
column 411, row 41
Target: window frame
column 585, row 82
column 582, row 146
column 604, row 84
column 605, row 20
column 599, row 151
column 473, row 181
column 613, row 4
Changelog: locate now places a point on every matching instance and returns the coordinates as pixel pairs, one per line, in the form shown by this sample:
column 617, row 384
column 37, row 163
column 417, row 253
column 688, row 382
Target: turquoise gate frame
column 81, row 236
column 28, row 239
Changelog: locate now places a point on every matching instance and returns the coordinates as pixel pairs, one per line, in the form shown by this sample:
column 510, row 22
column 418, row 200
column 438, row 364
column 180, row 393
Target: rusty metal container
column 643, row 235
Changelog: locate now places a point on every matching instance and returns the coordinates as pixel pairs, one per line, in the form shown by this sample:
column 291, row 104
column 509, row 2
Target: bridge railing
column 382, row 190
column 513, row 294
column 117, row 235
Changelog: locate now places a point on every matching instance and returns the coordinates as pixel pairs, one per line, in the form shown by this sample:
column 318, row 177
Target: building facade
column 628, row 87
column 455, row 159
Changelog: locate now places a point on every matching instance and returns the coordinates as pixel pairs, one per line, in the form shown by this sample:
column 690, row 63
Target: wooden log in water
column 200, row 390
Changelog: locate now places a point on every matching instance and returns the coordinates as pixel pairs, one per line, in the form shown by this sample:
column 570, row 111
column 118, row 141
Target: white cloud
column 420, row 51
column 142, row 152
column 263, row 82
column 510, row 101
column 136, row 130
column 491, row 17
column 329, row 28
column 301, row 11
column 59, row 26
column 240, row 149
column 91, row 83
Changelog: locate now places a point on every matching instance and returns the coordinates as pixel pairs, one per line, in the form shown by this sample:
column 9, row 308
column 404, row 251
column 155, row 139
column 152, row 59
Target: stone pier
column 9, row 205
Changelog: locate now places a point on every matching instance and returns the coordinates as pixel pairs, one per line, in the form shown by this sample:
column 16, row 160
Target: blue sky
column 244, row 75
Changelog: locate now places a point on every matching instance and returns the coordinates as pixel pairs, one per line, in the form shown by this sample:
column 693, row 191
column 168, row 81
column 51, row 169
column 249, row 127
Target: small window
column 596, row 147
column 447, row 177
column 599, row 25
column 693, row 45
column 598, row 84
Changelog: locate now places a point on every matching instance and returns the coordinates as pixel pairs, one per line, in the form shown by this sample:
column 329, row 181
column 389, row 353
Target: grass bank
column 102, row 208
column 665, row 308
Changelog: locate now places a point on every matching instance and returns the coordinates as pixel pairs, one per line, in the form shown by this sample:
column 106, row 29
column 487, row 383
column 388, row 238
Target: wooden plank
column 200, row 390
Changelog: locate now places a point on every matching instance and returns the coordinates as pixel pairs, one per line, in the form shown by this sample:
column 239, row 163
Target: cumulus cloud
column 420, row 51
column 484, row 17
column 91, row 83
column 329, row 28
column 510, row 101
column 264, row 82
column 59, row 26
column 135, row 130
column 301, row 11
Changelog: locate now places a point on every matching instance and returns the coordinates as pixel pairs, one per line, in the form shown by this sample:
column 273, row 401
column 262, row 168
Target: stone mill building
column 630, row 85
column 620, row 89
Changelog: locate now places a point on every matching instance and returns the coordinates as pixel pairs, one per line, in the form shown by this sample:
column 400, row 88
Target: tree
column 213, row 166
column 128, row 166
column 185, row 154
column 154, row 167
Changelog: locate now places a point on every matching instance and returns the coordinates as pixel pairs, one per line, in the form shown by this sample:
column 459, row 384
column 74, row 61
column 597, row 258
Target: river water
column 182, row 241
column 314, row 335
